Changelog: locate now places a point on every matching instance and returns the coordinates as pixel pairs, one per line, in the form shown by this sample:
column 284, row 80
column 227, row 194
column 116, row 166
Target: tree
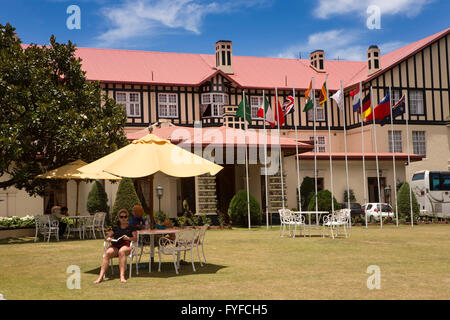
column 404, row 208
column 50, row 114
column 323, row 201
column 97, row 199
column 238, row 210
column 126, row 198
column 307, row 189
column 352, row 196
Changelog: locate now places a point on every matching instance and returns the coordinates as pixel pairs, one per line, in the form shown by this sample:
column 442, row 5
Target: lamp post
column 159, row 193
column 387, row 194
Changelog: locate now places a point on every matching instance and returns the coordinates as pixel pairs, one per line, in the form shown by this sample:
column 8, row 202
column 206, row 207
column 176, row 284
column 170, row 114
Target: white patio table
column 309, row 213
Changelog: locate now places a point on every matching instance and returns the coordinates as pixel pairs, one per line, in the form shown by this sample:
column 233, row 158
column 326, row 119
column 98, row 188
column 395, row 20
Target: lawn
column 243, row 264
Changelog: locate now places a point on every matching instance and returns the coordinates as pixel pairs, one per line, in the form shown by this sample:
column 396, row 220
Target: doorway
column 188, row 193
column 372, row 184
column 225, row 187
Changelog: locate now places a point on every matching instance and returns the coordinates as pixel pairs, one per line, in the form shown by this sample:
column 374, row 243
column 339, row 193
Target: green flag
column 248, row 112
column 309, row 99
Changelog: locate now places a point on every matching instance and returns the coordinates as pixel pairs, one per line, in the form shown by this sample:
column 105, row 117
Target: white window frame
column 320, row 113
column 397, row 141
column 416, row 103
column 321, row 143
column 255, row 103
column 167, row 105
column 396, row 95
column 419, row 142
column 132, row 107
column 217, row 101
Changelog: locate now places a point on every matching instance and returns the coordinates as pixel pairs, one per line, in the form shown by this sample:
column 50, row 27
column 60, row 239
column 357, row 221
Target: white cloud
column 132, row 19
column 337, row 44
column 410, row 8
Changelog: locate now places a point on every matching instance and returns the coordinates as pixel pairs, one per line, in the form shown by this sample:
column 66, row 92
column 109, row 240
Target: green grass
column 243, row 264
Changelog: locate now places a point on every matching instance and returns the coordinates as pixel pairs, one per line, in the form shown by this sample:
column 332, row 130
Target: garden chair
column 184, row 241
column 46, row 227
column 285, row 220
column 297, row 219
column 97, row 222
column 199, row 241
column 342, row 220
column 133, row 254
column 77, row 227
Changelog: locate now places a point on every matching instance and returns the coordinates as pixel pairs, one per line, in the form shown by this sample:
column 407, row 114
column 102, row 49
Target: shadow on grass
column 167, row 270
column 29, row 240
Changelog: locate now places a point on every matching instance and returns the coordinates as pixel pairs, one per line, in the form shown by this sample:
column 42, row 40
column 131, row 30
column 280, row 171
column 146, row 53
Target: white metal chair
column 297, row 219
column 132, row 255
column 334, row 222
column 46, row 227
column 184, row 241
column 78, row 227
column 285, row 220
column 199, row 241
column 97, row 222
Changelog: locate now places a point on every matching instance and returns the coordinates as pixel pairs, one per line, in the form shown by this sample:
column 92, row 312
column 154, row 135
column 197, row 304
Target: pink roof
column 222, row 136
column 359, row 156
column 393, row 58
column 163, row 68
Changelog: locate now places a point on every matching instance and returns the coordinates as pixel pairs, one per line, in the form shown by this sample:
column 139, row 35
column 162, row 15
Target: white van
column 432, row 190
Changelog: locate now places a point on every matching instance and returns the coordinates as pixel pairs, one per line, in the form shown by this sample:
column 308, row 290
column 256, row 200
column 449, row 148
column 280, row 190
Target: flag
column 288, row 105
column 248, row 112
column 397, row 110
column 279, row 114
column 356, row 94
column 265, row 108
column 323, row 95
column 382, row 110
column 367, row 107
column 309, row 99
column 339, row 98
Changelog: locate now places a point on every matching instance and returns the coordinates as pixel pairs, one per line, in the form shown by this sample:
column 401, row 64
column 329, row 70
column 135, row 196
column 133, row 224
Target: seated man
column 136, row 219
column 57, row 214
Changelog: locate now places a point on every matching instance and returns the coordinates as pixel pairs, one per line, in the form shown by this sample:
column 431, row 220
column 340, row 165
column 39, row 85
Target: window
column 168, row 105
column 397, row 136
column 255, row 104
column 418, row 138
column 131, row 102
column 396, row 95
column 320, row 113
column 217, row 101
column 418, row 176
column 416, row 105
column 320, row 143
column 439, row 181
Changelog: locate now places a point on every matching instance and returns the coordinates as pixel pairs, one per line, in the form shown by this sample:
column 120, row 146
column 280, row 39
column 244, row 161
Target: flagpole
column 315, row 146
column 265, row 161
column 363, row 151
column 393, row 157
column 409, row 160
column 296, row 155
column 345, row 149
column 330, row 148
column 246, row 163
column 279, row 143
column 376, row 155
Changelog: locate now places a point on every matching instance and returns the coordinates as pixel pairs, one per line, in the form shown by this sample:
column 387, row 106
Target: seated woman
column 120, row 248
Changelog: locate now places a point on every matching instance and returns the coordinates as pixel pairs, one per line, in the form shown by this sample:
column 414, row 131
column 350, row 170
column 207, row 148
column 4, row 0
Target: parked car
column 356, row 209
column 373, row 211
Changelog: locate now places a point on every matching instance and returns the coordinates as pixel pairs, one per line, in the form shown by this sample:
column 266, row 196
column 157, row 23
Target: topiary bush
column 404, row 209
column 238, row 210
column 97, row 199
column 306, row 191
column 324, row 202
column 126, row 198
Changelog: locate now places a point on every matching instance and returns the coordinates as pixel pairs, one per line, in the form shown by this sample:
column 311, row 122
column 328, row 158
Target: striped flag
column 323, row 95
column 288, row 105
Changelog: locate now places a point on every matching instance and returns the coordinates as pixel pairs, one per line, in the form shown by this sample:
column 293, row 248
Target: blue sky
column 267, row 28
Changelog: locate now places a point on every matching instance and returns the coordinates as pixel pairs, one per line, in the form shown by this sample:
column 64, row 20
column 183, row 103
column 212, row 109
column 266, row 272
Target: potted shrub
column 160, row 219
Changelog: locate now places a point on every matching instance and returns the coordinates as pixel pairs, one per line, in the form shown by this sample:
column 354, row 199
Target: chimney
column 373, row 59
column 318, row 60
column 224, row 56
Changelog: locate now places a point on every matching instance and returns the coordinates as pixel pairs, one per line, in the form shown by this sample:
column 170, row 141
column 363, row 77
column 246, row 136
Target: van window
column 369, row 206
column 434, row 181
column 445, row 182
column 386, row 208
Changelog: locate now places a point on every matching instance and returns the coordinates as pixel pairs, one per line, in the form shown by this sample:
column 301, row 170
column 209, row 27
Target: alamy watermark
column 74, row 280
column 374, row 17
column 374, row 280
column 74, row 20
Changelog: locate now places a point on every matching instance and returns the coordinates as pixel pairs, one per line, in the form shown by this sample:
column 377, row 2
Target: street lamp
column 159, row 193
column 387, row 193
